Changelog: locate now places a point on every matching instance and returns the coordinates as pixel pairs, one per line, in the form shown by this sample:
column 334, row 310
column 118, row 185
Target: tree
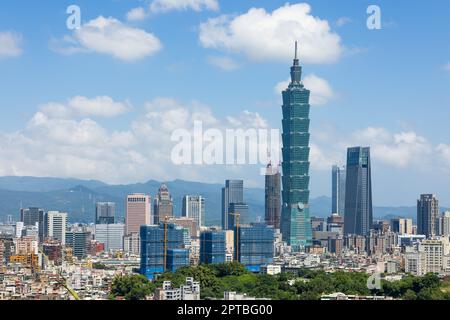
column 131, row 287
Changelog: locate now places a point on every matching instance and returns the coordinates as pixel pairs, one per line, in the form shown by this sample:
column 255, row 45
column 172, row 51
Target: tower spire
column 296, row 60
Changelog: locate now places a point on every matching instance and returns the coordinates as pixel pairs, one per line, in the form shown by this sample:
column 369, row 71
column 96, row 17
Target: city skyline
column 345, row 79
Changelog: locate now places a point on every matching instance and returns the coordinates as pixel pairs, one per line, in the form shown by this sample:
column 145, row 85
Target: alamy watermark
column 225, row 146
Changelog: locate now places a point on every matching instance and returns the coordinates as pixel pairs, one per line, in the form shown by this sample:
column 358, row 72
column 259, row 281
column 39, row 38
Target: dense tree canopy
column 305, row 285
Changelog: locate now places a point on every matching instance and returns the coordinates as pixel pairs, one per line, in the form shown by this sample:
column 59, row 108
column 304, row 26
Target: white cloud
column 321, row 91
column 10, row 44
column 342, row 21
column 224, row 63
column 101, row 106
column 136, row 14
column 263, row 35
column 196, row 5
column 396, row 150
column 447, row 66
column 112, row 37
column 443, row 151
column 59, row 146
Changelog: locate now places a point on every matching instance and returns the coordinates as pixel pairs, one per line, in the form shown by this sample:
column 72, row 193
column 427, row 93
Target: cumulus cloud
column 79, row 106
column 224, row 63
column 262, row 35
column 81, row 147
column 136, row 14
column 196, row 5
column 110, row 36
column 321, row 91
column 393, row 149
column 10, row 44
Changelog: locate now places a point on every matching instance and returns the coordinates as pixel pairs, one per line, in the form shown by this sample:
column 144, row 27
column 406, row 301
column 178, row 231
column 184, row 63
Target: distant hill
column 78, row 198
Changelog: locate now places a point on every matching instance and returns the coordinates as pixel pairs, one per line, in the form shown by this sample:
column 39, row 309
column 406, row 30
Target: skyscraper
column 163, row 204
column 358, row 217
column 428, row 215
column 234, row 210
column 57, row 226
column 194, row 207
column 338, row 176
column 105, row 212
column 233, row 192
column 138, row 212
column 31, row 216
column 273, row 196
column 295, row 219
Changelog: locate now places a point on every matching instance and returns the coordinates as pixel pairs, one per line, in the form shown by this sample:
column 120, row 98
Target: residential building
column 428, row 215
column 402, row 226
column 194, row 208
column 254, row 245
column 213, row 247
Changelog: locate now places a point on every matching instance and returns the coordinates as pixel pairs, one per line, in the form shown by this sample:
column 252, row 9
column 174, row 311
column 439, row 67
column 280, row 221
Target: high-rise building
column 212, row 247
column 105, row 212
column 338, row 176
column 111, row 235
column 237, row 212
column 254, row 245
column 157, row 245
column 295, row 218
column 31, row 216
column 79, row 240
column 233, row 192
column 138, row 213
column 358, row 216
column 402, row 226
column 194, row 208
column 445, row 224
column 428, row 215
column 273, row 196
column 56, row 226
column 187, row 223
column 335, row 223
column 163, row 204
column 132, row 243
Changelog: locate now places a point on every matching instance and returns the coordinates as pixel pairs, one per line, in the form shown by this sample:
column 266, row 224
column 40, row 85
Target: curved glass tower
column 295, row 219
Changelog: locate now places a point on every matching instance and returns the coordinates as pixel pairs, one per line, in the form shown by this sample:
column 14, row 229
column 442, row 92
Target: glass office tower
column 338, row 190
column 358, row 217
column 295, row 218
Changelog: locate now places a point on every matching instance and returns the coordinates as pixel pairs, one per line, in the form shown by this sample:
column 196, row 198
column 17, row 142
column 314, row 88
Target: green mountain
column 78, row 198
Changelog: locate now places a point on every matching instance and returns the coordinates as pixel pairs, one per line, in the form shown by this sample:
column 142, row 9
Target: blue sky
column 385, row 88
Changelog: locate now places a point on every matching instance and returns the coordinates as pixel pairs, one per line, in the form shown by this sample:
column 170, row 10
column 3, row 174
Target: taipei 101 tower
column 295, row 219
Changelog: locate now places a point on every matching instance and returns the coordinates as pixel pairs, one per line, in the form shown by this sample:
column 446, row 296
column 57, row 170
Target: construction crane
column 62, row 281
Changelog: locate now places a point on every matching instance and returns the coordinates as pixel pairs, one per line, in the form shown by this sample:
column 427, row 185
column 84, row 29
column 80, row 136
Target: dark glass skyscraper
column 273, row 196
column 31, row 216
column 295, row 219
column 232, row 193
column 358, row 217
column 105, row 212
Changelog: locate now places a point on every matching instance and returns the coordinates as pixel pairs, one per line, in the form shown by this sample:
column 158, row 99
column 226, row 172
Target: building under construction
column 162, row 249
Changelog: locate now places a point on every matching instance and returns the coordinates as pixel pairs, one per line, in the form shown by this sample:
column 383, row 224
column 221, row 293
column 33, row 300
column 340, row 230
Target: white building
column 57, row 226
column 132, row 243
column 445, row 224
column 111, row 235
column 431, row 256
column 194, row 207
column 189, row 291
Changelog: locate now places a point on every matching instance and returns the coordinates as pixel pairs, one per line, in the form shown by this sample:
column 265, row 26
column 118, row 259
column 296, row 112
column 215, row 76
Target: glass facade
column 358, row 218
column 254, row 245
column 156, row 242
column 232, row 193
column 338, row 177
column 295, row 218
column 212, row 247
